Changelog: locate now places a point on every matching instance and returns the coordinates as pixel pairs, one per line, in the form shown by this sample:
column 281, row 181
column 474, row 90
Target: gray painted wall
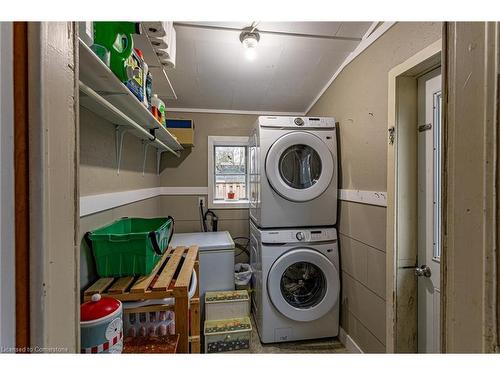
column 98, row 173
column 358, row 99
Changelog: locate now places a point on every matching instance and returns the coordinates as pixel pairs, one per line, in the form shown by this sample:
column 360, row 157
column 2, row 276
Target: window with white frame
column 227, row 172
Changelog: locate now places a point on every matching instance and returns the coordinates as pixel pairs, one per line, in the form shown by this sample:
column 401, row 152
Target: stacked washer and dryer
column 293, row 240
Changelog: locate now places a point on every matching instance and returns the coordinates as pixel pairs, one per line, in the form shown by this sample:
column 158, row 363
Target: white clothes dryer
column 293, row 172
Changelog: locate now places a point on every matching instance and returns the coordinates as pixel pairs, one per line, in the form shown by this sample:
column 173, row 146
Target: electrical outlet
column 201, row 200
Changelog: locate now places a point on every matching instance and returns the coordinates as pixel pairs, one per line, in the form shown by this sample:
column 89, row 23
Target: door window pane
column 230, row 172
column 300, row 166
column 303, row 285
column 437, row 177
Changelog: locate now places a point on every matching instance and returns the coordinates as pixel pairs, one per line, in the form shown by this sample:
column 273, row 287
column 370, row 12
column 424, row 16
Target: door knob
column 423, row 270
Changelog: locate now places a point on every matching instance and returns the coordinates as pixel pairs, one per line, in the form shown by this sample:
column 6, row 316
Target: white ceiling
column 289, row 71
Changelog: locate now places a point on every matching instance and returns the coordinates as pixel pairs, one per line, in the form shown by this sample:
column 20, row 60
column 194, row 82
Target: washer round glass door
column 299, row 166
column 303, row 285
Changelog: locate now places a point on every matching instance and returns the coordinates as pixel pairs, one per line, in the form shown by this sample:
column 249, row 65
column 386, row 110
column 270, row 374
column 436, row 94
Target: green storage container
column 130, row 246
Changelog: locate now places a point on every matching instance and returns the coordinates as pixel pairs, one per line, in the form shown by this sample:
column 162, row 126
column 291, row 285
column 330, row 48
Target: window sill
column 228, row 204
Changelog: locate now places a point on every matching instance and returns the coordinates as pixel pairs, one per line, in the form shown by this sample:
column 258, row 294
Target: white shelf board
column 97, row 104
column 161, row 83
column 96, row 75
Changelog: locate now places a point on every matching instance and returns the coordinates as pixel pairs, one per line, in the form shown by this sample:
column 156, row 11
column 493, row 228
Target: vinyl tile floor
column 320, row 346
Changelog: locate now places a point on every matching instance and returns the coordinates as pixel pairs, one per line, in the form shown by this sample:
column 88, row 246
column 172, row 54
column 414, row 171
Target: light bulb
column 250, row 41
column 250, row 53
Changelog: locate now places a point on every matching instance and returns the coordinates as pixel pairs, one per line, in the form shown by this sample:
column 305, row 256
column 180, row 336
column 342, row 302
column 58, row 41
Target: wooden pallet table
column 170, row 278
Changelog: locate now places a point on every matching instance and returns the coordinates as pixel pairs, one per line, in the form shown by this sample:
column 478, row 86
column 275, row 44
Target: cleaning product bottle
column 149, row 88
column 116, row 37
column 158, row 109
column 135, row 68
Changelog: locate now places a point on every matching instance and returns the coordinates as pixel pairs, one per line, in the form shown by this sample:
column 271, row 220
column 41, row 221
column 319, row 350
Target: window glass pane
column 300, row 166
column 437, row 176
column 230, row 160
column 226, row 186
column 230, row 172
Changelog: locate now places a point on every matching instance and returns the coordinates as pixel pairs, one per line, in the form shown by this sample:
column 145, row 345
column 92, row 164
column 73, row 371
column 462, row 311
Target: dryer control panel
column 298, row 235
column 286, row 122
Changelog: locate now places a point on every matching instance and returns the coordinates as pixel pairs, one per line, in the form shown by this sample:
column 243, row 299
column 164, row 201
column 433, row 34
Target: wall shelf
column 123, row 124
column 108, row 97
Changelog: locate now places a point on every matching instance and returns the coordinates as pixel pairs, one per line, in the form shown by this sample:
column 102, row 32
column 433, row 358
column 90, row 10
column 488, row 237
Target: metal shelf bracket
column 120, row 131
column 145, row 145
column 158, row 160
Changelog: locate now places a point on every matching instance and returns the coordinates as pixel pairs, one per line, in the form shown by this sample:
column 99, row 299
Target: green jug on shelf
column 116, row 37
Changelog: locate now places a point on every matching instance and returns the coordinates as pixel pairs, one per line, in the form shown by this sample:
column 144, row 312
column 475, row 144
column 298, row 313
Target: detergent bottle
column 116, row 37
column 158, row 109
column 135, row 67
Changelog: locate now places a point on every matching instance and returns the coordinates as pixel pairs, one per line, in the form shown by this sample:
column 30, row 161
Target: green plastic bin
column 130, row 246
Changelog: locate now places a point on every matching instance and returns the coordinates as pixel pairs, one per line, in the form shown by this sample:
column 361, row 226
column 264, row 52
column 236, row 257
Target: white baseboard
column 92, row 204
column 349, row 343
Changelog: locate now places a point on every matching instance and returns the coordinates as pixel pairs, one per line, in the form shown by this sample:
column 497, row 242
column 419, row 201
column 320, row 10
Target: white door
column 299, row 166
column 429, row 207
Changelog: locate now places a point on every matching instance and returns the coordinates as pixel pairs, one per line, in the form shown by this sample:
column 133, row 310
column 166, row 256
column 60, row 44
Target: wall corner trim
column 364, row 44
column 349, row 343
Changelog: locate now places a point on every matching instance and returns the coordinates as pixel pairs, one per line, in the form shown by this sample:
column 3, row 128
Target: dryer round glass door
column 299, row 166
column 303, row 285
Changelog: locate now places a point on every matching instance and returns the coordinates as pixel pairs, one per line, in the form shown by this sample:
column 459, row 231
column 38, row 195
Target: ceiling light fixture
column 250, row 37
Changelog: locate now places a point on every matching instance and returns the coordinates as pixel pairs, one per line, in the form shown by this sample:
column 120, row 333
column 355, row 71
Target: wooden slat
column 182, row 323
column 168, row 272
column 142, row 284
column 99, row 286
column 121, row 285
column 195, row 325
column 184, row 277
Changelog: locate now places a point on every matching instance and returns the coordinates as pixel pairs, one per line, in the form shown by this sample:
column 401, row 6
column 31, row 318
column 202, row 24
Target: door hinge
column 391, row 131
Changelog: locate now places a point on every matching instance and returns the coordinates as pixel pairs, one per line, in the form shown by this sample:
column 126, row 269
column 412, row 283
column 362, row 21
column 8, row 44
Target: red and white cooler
column 101, row 325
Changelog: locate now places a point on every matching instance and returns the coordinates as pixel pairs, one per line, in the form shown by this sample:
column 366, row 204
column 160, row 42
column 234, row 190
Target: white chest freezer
column 216, row 259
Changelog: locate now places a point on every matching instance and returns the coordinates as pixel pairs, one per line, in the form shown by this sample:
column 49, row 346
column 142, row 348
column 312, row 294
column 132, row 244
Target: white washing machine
column 293, row 172
column 296, row 283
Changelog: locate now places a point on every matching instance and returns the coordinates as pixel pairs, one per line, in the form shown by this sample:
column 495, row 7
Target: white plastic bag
column 242, row 274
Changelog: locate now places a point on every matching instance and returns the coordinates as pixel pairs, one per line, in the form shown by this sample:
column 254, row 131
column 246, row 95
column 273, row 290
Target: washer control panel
column 283, row 122
column 299, row 235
